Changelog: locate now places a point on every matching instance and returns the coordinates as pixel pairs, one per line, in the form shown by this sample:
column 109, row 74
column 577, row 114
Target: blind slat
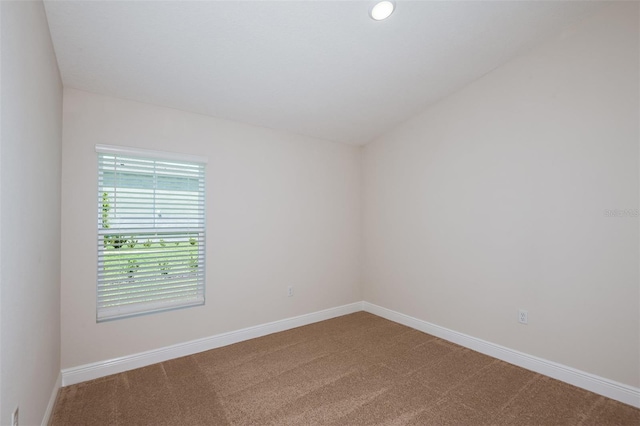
column 148, row 295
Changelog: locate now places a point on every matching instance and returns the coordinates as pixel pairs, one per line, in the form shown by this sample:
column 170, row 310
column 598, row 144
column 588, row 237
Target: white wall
column 281, row 210
column 30, row 154
column 494, row 198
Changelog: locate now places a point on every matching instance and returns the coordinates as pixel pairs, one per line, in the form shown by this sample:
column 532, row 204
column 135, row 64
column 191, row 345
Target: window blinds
column 151, row 233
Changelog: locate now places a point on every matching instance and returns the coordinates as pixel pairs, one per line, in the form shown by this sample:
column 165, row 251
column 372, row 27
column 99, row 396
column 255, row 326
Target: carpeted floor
column 353, row 370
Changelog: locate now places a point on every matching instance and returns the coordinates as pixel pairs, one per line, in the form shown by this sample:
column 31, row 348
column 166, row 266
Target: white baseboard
column 609, row 388
column 52, row 400
column 96, row 370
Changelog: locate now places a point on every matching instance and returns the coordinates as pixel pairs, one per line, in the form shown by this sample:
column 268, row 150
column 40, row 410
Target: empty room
column 319, row 212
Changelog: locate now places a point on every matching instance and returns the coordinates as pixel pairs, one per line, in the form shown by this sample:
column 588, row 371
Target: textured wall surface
column 29, row 213
column 282, row 210
column 499, row 198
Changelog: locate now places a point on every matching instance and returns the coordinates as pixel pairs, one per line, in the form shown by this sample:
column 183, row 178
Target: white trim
column 600, row 385
column 148, row 153
column 96, row 370
column 52, row 400
column 609, row 388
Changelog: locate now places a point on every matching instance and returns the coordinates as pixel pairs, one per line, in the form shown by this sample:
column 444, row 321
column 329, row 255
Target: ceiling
column 316, row 68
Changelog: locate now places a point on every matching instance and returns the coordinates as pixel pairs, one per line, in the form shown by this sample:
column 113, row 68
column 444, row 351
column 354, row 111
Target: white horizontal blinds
column 151, row 234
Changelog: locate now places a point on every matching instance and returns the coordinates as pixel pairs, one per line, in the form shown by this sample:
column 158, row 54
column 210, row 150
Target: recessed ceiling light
column 382, row 10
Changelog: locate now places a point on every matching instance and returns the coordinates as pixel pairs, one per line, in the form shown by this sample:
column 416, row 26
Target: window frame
column 193, row 280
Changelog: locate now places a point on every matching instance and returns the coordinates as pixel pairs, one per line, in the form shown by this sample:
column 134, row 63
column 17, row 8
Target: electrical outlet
column 523, row 316
column 290, row 291
column 14, row 417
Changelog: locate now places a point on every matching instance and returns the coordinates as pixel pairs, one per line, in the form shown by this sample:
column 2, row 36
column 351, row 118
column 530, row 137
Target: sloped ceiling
column 317, row 68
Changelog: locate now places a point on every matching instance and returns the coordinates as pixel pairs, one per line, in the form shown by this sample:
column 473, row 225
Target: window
column 151, row 231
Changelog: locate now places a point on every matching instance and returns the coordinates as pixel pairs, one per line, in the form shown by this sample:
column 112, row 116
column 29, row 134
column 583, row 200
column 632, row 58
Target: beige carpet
column 353, row 370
